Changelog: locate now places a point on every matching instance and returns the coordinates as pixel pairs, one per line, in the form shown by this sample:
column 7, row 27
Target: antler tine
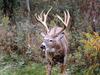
column 59, row 18
column 64, row 21
column 45, row 15
column 43, row 18
column 65, row 16
column 41, row 14
column 49, row 10
column 68, row 18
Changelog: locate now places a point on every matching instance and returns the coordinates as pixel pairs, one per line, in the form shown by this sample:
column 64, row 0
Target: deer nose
column 42, row 47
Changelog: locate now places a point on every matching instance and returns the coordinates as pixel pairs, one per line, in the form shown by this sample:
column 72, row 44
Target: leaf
column 88, row 35
column 5, row 21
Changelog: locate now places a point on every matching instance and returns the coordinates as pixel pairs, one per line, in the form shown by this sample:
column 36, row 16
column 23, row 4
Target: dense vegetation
column 20, row 36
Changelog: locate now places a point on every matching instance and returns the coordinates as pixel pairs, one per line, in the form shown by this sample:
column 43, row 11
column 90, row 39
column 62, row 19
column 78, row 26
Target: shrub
column 85, row 60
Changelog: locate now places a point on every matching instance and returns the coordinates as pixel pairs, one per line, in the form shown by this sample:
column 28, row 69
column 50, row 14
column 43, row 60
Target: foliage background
column 20, row 36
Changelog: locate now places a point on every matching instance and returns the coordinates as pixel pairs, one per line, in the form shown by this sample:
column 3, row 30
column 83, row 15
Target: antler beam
column 42, row 18
column 65, row 21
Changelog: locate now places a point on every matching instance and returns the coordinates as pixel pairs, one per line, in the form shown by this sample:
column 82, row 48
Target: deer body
column 55, row 42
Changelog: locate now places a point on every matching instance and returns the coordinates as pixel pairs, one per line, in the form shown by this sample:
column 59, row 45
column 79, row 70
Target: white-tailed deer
column 55, row 43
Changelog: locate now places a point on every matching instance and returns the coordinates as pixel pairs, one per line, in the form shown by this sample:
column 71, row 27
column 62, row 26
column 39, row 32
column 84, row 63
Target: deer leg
column 48, row 69
column 63, row 67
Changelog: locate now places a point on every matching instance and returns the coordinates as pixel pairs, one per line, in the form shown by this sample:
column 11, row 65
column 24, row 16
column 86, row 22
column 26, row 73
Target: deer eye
column 51, row 40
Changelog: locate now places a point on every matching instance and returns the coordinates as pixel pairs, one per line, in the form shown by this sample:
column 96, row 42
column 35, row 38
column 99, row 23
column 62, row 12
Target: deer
column 55, row 42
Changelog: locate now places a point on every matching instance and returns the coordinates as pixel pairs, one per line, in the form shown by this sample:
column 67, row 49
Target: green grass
column 33, row 69
column 15, row 65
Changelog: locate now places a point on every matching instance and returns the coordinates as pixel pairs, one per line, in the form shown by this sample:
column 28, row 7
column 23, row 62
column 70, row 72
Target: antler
column 42, row 18
column 65, row 21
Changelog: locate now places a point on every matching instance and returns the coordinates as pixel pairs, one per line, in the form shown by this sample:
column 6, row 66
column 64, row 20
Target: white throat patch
column 49, row 50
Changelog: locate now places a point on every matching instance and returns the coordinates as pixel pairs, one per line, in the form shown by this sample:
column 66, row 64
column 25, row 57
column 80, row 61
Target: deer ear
column 43, row 34
column 61, row 36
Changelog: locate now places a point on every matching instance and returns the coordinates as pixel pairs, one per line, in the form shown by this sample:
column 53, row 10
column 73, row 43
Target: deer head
column 53, row 36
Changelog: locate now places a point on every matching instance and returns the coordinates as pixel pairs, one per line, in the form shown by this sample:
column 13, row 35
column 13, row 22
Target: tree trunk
column 29, row 34
column 28, row 7
column 8, row 8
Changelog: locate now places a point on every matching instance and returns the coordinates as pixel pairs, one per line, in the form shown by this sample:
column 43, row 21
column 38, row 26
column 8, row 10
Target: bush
column 85, row 60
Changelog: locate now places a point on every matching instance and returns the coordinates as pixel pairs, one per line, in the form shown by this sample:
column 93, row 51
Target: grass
column 8, row 66
column 16, row 65
column 33, row 69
